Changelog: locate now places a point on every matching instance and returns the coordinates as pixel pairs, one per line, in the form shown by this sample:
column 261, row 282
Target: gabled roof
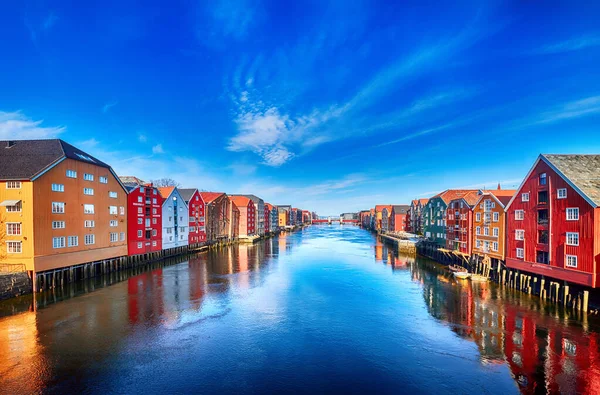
column 165, row 192
column 423, row 201
column 380, row 207
column 400, row 208
column 187, row 193
column 269, row 206
column 208, row 197
column 254, row 198
column 581, row 172
column 451, row 194
column 240, row 201
column 28, row 159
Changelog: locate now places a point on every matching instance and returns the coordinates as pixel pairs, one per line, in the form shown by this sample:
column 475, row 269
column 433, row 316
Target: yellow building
column 283, row 218
column 59, row 207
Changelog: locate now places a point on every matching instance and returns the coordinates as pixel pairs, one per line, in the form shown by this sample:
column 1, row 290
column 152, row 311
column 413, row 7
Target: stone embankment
column 14, row 284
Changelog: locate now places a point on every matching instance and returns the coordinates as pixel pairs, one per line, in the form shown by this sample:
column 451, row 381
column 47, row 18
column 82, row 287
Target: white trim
column 567, row 261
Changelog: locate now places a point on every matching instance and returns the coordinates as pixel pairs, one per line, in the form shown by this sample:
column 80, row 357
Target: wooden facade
column 217, row 215
column 489, row 224
column 543, row 234
column 434, row 214
column 144, row 220
column 459, row 223
column 399, row 218
column 247, row 224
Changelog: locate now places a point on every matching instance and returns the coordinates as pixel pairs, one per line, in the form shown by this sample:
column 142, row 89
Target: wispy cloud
column 573, row 109
column 574, row 44
column 15, row 125
column 38, row 27
column 225, row 19
column 158, row 149
column 109, row 105
column 142, row 138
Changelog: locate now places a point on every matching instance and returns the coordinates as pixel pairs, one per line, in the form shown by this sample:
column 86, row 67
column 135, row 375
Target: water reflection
column 546, row 349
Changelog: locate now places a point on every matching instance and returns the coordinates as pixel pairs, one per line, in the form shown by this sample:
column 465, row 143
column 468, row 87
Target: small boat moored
column 456, row 268
column 479, row 278
column 462, row 275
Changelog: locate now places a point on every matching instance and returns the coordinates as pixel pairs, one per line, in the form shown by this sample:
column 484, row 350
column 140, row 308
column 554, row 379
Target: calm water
column 328, row 309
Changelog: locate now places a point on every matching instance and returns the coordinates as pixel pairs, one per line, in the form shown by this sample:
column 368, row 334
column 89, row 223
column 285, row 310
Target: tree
column 165, row 182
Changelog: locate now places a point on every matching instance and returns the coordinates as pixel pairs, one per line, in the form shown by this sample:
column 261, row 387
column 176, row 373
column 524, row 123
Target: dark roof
column 400, row 208
column 26, row 159
column 254, row 198
column 187, row 193
column 582, row 171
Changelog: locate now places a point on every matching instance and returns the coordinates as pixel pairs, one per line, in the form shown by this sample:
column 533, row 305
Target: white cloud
column 142, row 138
column 15, row 125
column 108, row 106
column 575, row 44
column 158, row 149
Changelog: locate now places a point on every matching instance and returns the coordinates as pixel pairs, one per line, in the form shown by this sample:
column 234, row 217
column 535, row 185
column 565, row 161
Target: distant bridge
column 329, row 221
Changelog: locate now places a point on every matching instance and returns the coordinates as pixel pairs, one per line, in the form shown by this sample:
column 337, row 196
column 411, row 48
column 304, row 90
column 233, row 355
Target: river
column 326, row 309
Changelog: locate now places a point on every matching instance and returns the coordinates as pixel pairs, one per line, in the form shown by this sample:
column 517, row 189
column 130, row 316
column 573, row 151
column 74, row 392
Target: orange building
column 61, row 206
column 489, row 224
column 379, row 215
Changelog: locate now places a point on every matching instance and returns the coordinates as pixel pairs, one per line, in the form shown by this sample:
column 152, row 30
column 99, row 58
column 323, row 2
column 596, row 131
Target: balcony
column 543, row 217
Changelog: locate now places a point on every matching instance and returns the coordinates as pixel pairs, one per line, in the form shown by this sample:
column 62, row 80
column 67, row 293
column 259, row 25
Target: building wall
column 385, row 220
column 175, row 221
column 459, row 222
column 47, row 257
column 398, row 222
column 267, row 218
column 150, row 208
column 217, row 218
column 587, row 226
column 434, row 221
column 197, row 219
column 282, row 218
column 481, row 211
column 25, row 218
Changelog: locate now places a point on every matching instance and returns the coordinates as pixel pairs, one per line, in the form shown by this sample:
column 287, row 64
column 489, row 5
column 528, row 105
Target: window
column 139, row 233
column 496, row 217
column 496, row 232
column 153, row 200
column 90, row 239
column 573, row 214
column 58, row 207
column 520, row 253
column 121, row 210
column 58, row 242
column 153, row 232
column 13, row 247
column 519, row 234
column 142, row 189
column 525, row 197
column 112, row 194
column 89, row 224
column 543, row 237
column 486, row 231
column 153, row 211
column 478, row 217
column 139, row 210
column 495, row 246
column 73, row 241
column 154, row 221
column 88, row 191
column 543, row 197
column 571, row 261
column 114, row 222
column 88, row 177
column 169, row 230
column 114, row 237
column 154, row 244
column 543, row 179
column 154, row 191
column 13, row 228
column 122, row 236
column 478, row 243
column 103, row 180
column 140, row 221
column 14, row 208
column 112, row 210
column 140, row 199
column 543, row 217
column 58, row 188
column 519, row 215
column 88, row 209
column 542, row 257
column 478, row 230
column 572, row 238
column 561, row 193
column 58, row 224
column 147, row 222
column 139, row 245
column 193, row 229
column 71, row 174
column 13, row 184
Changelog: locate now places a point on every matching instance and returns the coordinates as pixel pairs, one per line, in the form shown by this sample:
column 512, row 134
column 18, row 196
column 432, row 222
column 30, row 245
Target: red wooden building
column 197, row 208
column 144, row 217
column 247, row 215
column 553, row 221
column 267, row 214
column 459, row 222
column 397, row 221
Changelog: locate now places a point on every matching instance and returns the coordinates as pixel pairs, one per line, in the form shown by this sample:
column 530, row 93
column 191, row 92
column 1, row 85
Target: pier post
column 586, row 296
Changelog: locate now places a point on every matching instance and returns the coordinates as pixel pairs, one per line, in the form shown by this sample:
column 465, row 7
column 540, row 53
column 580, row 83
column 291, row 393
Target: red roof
column 423, row 201
column 240, row 201
column 503, row 195
column 451, row 194
column 210, row 196
column 165, row 192
column 380, row 207
column 269, row 206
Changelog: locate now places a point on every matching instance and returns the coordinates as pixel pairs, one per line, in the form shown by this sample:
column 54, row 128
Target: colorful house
column 434, row 214
column 414, row 217
column 459, row 222
column 397, row 222
column 59, row 206
column 260, row 219
column 489, row 224
column 385, row 219
column 379, row 215
column 175, row 218
column 234, row 225
column 247, row 215
column 553, row 221
column 144, row 216
column 196, row 215
column 283, row 213
column 217, row 209
column 273, row 217
column 364, row 218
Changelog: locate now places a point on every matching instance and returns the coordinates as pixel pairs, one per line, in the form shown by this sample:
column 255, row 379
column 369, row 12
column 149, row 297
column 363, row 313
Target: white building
column 175, row 219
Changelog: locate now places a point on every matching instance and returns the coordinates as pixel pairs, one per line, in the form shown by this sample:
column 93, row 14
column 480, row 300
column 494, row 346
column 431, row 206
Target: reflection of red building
column 145, row 297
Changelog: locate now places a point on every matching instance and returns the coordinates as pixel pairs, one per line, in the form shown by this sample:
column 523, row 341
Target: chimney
column 499, row 186
column 10, row 143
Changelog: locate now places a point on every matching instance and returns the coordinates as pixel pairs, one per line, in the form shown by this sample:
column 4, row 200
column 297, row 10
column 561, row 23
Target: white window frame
column 486, row 231
column 58, row 187
column 112, row 210
column 496, row 216
column 103, row 180
column 88, row 223
column 58, row 207
column 58, row 224
column 140, row 245
column 112, row 194
column 113, row 237
column 88, row 177
column 520, row 232
column 561, row 193
column 89, row 239
column 495, row 232
column 70, row 240
column 13, row 184
column 14, row 247
column 519, row 215
column 478, row 217
column 478, row 230
column 525, row 197
column 88, row 191
column 16, row 208
column 89, row 209
column 139, row 233
column 71, row 173
column 574, row 236
column 122, row 236
column 114, row 223
column 59, row 242
column 520, row 253
column 140, row 199
column 13, row 229
column 573, row 210
column 567, row 264
column 495, row 246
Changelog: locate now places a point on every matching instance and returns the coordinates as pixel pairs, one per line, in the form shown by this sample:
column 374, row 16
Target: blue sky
column 329, row 106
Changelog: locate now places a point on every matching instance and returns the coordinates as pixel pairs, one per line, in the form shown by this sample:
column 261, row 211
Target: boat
column 456, row 268
column 479, row 278
column 462, row 275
